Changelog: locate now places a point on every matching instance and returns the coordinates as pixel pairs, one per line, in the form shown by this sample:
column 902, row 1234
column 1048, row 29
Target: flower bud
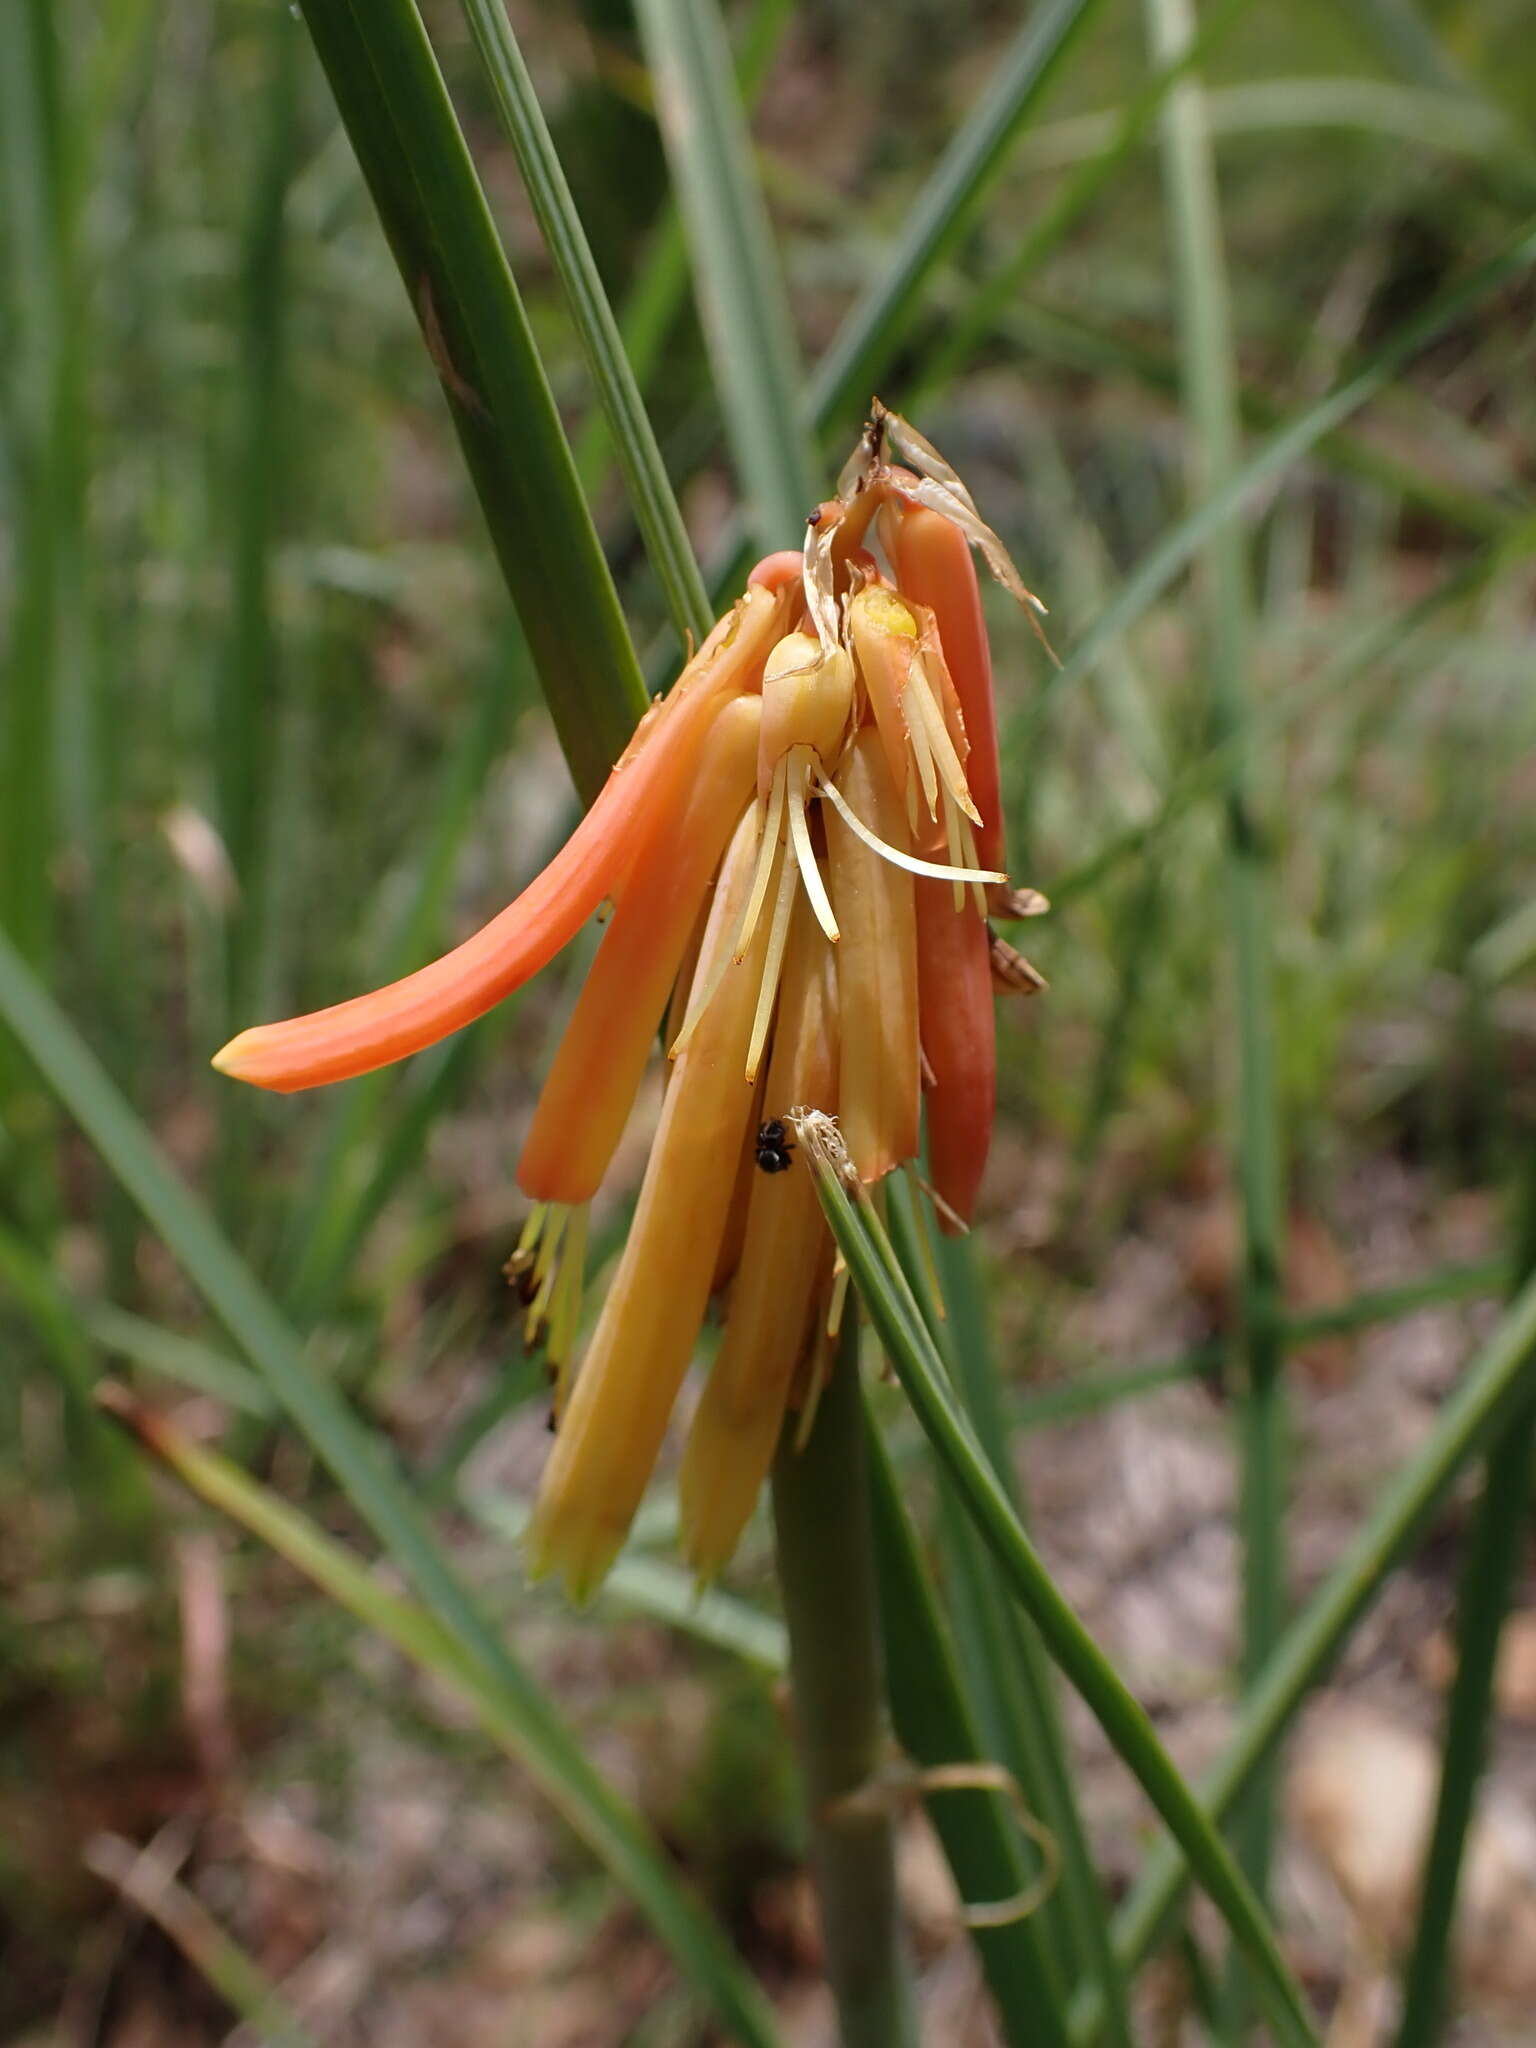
column 807, row 696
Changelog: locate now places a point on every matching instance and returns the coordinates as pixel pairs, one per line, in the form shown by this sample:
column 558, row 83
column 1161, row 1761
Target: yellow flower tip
column 886, row 612
column 578, row 1550
column 234, row 1059
column 724, row 1466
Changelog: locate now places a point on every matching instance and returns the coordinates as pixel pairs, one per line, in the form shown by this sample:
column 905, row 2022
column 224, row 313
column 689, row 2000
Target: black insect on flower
column 774, row 1146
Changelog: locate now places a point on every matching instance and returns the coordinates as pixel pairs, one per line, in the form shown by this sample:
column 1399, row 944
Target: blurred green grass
column 269, row 729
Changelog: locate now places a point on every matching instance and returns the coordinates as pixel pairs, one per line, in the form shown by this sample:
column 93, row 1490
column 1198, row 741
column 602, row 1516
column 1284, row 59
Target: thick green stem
column 827, row 1576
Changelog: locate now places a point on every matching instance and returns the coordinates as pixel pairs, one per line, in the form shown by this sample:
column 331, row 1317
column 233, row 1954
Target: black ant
column 774, row 1146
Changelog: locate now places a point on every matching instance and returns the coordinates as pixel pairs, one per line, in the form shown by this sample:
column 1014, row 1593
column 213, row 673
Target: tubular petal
column 653, row 776
column 877, row 968
column 884, row 635
column 959, row 1036
column 585, row 1102
column 933, row 564
column 735, row 1234
column 646, row 1330
column 782, row 570
column 736, row 1425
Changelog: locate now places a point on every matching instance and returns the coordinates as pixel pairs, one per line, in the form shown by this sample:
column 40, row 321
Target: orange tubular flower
column 797, row 845
column 954, row 991
column 650, row 780
column 878, row 1094
column 591, row 1088
column 933, row 565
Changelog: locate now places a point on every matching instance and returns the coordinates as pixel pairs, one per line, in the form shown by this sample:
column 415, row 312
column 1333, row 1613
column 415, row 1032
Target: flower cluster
column 801, row 847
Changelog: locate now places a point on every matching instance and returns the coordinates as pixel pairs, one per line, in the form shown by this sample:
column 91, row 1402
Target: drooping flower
column 801, row 846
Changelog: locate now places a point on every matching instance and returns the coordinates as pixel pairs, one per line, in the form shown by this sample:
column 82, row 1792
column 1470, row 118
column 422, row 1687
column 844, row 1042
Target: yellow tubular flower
column 776, row 1292
column 596, row 1074
column 807, row 700
column 878, row 1085
column 628, row 1381
column 918, row 716
column 735, row 1233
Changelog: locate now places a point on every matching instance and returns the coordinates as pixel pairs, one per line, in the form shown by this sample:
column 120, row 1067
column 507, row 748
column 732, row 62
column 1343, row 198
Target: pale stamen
column 952, row 823
column 801, row 763
column 565, row 1307
column 839, row 1296
column 918, row 740
column 935, row 870
column 972, row 860
column 546, row 1268
column 945, row 757
column 767, row 855
column 767, row 851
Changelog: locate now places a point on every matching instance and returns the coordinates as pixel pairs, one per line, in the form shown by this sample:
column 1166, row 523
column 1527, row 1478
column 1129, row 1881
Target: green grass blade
column 247, row 691
column 642, row 1584
column 1045, row 331
column 741, row 294
column 401, row 123
column 27, row 1283
column 1092, row 1391
column 414, row 1630
column 1008, row 1671
column 1490, row 1390
column 1409, row 44
column 186, row 1361
column 887, row 1296
column 46, row 737
column 843, row 380
column 330, row 1220
column 1210, row 396
column 1278, row 451
column 1508, row 948
column 935, row 1726
column 1495, row 1548
column 146, row 1879
column 657, row 296
column 645, row 475
column 1206, row 774
column 865, row 342
column 361, row 1465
